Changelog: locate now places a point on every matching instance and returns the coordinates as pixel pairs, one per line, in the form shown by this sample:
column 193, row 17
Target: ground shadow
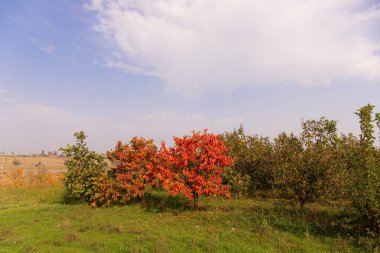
column 155, row 201
column 301, row 222
column 67, row 199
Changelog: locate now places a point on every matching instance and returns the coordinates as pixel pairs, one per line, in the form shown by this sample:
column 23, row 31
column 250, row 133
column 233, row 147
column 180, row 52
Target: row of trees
column 304, row 164
column 317, row 163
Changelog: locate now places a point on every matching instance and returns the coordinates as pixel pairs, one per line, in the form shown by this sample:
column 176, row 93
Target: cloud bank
column 198, row 45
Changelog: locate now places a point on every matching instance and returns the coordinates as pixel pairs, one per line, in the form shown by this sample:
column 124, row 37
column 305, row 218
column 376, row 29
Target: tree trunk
column 302, row 202
column 196, row 199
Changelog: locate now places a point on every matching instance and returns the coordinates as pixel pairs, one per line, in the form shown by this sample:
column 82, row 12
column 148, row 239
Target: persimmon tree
column 194, row 165
column 130, row 173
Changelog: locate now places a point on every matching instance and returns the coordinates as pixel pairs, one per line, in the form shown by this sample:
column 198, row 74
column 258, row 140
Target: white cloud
column 48, row 49
column 198, row 45
column 3, row 96
column 128, row 68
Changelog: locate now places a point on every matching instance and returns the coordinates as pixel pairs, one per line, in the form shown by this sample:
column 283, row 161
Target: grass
column 43, row 220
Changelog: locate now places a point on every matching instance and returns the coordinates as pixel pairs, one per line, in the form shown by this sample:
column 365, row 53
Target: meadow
column 44, row 219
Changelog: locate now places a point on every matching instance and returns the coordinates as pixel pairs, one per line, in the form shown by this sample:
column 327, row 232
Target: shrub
column 43, row 179
column 130, row 174
column 16, row 162
column 84, row 169
column 17, row 178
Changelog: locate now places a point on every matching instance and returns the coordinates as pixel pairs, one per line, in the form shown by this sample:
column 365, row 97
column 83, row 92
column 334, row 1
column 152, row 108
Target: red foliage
column 131, row 173
column 194, row 165
column 191, row 168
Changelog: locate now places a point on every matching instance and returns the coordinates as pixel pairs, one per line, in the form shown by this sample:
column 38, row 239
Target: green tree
column 84, row 168
column 307, row 164
column 289, row 169
column 347, row 160
column 239, row 183
column 366, row 187
column 253, row 161
column 235, row 175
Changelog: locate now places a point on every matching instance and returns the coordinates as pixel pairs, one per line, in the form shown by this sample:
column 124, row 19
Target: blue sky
column 160, row 68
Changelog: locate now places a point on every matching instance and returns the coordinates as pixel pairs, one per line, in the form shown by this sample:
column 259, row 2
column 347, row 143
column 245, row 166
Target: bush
column 84, row 169
column 17, row 178
column 16, row 162
column 130, row 174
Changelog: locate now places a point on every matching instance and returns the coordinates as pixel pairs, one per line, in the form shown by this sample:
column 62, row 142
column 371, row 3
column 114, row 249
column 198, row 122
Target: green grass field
column 43, row 220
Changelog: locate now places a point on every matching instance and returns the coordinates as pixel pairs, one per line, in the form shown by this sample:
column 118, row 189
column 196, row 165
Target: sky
column 161, row 68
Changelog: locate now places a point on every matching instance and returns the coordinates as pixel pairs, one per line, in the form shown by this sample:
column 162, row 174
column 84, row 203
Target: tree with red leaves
column 131, row 172
column 194, row 165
